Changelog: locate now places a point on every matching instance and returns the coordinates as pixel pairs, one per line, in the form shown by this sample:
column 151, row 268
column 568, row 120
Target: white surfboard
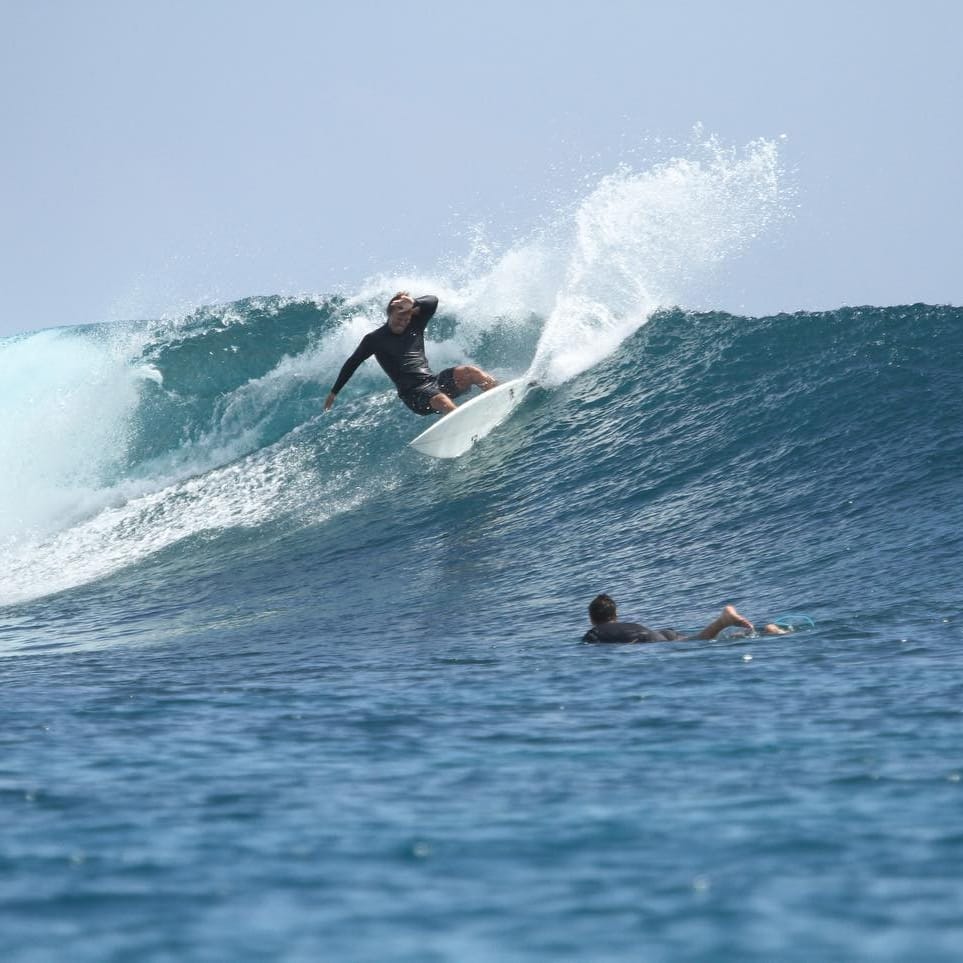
column 454, row 433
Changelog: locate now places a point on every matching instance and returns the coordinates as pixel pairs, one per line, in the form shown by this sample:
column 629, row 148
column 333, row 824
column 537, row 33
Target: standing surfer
column 399, row 347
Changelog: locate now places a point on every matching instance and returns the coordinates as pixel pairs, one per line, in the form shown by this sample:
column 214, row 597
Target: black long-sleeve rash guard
column 629, row 632
column 401, row 355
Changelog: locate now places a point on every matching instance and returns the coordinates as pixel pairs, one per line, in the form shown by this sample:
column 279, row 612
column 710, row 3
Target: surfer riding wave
column 399, row 347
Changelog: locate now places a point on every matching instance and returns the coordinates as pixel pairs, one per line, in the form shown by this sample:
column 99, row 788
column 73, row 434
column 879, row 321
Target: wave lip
column 646, row 240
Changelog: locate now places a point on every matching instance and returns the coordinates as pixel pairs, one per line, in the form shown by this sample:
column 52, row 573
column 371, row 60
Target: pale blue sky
column 160, row 155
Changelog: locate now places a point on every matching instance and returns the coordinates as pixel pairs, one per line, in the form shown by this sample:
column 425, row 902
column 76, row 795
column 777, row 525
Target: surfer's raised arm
column 424, row 308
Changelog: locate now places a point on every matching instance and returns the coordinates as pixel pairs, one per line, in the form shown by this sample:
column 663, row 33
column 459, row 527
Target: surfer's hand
column 329, row 401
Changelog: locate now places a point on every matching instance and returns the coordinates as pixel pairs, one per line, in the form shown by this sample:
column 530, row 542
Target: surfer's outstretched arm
column 364, row 351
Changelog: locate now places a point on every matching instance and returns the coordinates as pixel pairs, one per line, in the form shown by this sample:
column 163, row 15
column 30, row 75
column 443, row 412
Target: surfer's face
column 399, row 319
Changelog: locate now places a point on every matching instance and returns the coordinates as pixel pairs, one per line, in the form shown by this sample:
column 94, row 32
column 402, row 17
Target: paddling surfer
column 399, row 347
column 606, row 628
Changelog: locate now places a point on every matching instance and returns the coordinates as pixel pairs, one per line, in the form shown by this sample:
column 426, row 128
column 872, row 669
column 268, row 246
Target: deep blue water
column 277, row 687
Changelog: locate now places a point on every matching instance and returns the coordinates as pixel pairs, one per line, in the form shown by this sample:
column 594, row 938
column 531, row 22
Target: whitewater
column 280, row 687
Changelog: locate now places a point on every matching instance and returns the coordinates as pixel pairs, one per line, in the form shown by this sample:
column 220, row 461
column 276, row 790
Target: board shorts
column 418, row 398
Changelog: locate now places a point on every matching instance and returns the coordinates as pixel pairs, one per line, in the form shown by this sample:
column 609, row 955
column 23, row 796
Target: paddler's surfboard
column 453, row 434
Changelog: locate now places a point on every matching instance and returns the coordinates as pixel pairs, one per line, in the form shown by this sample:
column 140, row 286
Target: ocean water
column 277, row 687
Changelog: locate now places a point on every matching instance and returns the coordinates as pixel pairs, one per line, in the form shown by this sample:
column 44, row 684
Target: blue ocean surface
column 278, row 687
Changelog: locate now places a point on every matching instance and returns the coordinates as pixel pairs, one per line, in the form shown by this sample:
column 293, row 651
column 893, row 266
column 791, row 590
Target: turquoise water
column 279, row 688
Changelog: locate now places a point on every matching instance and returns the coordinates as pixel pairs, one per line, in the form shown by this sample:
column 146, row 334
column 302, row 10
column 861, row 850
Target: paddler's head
column 399, row 312
column 602, row 609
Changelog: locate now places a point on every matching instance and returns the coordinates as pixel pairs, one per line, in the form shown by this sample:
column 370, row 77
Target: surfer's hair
column 601, row 609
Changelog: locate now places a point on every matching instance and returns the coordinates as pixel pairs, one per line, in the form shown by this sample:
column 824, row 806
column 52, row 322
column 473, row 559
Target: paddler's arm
column 361, row 353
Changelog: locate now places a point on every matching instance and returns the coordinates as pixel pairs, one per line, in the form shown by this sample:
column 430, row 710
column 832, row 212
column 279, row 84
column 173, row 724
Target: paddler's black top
column 628, row 632
column 401, row 355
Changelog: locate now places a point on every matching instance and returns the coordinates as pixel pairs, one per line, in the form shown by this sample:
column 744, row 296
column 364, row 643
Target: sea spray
column 645, row 240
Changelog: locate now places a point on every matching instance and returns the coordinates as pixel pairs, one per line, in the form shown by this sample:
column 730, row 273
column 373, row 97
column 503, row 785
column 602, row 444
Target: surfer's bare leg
column 466, row 375
column 727, row 618
column 442, row 403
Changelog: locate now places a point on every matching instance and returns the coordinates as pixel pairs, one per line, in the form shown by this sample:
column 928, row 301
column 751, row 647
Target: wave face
column 282, row 688
column 127, row 441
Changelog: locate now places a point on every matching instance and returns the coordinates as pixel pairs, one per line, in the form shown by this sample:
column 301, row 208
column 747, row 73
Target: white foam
column 647, row 240
column 273, row 483
column 67, row 400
